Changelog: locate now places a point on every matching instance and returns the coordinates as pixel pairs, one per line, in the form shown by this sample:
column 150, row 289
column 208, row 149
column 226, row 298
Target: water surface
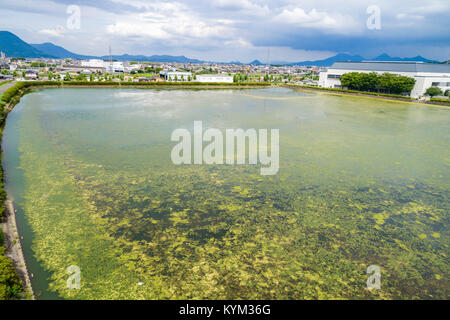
column 361, row 182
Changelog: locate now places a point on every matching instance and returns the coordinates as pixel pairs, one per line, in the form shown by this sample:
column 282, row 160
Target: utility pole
column 110, row 60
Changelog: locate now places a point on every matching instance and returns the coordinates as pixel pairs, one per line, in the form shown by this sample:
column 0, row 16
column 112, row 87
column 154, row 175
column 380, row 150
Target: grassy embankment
column 441, row 101
column 353, row 92
column 10, row 284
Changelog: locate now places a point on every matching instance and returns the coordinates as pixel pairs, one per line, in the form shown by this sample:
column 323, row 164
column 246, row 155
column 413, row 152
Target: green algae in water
column 361, row 182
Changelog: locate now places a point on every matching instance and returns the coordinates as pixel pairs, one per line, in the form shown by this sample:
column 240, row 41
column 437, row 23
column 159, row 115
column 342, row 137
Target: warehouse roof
column 393, row 66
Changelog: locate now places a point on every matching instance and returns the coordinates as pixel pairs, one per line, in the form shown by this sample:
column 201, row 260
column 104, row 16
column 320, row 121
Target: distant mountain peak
column 13, row 46
column 256, row 62
column 386, row 57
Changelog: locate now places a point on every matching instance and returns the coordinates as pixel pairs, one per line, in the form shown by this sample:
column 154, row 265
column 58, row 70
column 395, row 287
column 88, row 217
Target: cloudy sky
column 231, row 30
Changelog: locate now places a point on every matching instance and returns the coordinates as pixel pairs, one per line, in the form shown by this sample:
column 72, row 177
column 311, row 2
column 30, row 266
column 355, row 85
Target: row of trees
column 373, row 82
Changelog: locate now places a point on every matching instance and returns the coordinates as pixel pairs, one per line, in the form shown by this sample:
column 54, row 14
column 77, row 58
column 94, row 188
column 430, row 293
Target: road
column 5, row 87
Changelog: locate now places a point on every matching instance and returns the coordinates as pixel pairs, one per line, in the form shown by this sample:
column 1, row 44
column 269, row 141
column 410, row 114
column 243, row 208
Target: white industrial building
column 175, row 75
column 93, row 63
column 110, row 67
column 214, row 78
column 425, row 74
column 114, row 67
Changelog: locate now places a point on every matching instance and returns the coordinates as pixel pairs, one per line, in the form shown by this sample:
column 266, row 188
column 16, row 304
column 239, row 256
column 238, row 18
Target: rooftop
column 399, row 66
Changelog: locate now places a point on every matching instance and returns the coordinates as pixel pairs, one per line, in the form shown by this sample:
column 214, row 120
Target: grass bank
column 11, row 285
column 443, row 102
column 376, row 95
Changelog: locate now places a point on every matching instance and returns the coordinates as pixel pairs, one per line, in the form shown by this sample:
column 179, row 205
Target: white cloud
column 242, row 43
column 169, row 21
column 406, row 16
column 58, row 32
column 136, row 29
column 244, row 6
column 316, row 19
column 431, row 7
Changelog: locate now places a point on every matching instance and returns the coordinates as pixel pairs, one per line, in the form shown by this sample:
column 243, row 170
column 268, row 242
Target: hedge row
column 440, row 100
column 354, row 91
column 142, row 84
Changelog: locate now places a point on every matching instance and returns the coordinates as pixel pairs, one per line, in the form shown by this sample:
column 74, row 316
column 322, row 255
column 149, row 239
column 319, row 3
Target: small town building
column 214, row 78
column 31, row 75
column 6, row 77
column 175, row 75
column 115, row 67
column 93, row 63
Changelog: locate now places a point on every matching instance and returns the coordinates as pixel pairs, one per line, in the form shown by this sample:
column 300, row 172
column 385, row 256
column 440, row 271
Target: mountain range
column 13, row 46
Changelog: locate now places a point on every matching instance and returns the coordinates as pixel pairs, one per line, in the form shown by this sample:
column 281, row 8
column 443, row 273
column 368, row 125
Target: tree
column 349, row 80
column 447, row 93
column 81, row 77
column 433, row 91
column 67, row 77
column 372, row 82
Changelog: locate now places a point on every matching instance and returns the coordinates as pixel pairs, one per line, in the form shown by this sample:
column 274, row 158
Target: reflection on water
column 361, row 182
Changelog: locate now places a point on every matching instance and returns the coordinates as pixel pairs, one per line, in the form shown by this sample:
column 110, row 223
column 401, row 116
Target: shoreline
column 29, row 86
column 14, row 250
column 366, row 95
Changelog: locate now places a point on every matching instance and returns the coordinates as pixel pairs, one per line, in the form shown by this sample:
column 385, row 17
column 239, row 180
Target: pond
column 361, row 182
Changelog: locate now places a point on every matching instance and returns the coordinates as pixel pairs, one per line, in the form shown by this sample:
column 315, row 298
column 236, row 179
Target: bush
column 10, row 283
column 434, row 91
